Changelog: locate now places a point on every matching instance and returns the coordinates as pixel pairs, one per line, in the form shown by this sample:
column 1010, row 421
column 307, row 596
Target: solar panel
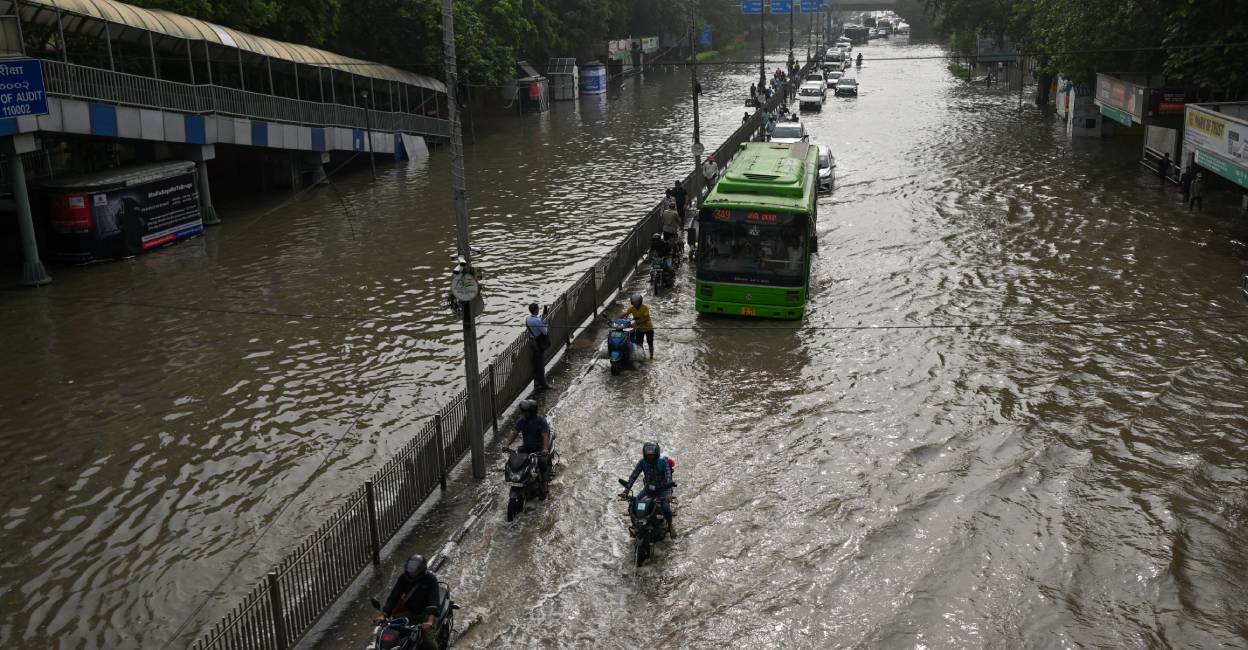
column 560, row 66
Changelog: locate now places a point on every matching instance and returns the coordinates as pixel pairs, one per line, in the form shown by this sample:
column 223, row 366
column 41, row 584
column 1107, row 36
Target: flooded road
column 1029, row 486
column 896, row 485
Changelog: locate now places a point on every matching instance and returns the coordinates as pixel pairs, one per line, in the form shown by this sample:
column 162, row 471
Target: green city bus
column 756, row 233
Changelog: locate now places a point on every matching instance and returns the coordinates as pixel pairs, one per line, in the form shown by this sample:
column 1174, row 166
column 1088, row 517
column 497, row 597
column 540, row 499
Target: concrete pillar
column 33, row 273
column 201, row 155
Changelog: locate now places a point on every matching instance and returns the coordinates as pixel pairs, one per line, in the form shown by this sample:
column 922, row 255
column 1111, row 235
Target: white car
column 816, row 76
column 788, row 133
column 811, row 95
column 846, row 42
column 833, row 76
column 827, row 164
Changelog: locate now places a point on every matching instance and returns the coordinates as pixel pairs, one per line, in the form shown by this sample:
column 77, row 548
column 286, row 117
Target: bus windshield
column 736, row 250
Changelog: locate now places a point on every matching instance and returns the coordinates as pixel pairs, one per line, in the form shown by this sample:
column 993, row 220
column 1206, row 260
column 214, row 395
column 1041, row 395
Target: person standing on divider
column 539, row 341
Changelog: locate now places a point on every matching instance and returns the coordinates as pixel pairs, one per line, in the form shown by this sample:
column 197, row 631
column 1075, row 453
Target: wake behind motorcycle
column 524, row 473
column 646, row 523
column 402, row 633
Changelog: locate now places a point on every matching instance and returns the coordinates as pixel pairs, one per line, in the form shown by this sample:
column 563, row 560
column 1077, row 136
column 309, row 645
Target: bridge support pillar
column 33, row 273
column 201, row 155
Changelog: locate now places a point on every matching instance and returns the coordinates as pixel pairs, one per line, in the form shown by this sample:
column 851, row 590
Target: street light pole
column 696, row 90
column 476, row 433
column 368, row 131
column 762, row 49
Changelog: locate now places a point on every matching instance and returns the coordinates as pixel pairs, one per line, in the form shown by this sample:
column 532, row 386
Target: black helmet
column 416, row 566
column 636, row 299
column 650, row 451
column 528, row 407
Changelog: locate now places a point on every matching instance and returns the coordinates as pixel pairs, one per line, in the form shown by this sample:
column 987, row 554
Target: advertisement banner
column 163, row 210
column 650, row 44
column 1217, row 134
column 1163, row 102
column 1116, row 93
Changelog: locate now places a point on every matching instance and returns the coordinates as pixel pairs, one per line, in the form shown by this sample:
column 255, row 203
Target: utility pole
column 762, row 49
column 791, row 12
column 476, row 433
column 696, row 90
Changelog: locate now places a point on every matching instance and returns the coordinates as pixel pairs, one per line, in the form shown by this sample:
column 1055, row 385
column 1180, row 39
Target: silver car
column 788, row 133
column 827, row 165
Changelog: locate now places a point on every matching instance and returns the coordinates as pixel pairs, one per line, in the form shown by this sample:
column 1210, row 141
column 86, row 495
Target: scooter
column 401, row 633
column 620, row 344
column 646, row 523
column 528, row 481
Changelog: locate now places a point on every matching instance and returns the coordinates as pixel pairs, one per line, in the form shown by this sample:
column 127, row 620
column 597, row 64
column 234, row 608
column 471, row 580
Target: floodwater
column 868, row 478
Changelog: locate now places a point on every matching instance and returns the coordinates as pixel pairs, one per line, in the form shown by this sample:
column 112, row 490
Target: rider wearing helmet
column 643, row 327
column 658, row 474
column 415, row 596
column 534, row 433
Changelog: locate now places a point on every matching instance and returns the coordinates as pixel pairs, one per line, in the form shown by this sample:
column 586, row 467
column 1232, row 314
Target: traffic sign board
column 751, row 7
column 21, row 88
column 812, row 6
column 781, row 6
column 698, row 149
column 706, row 36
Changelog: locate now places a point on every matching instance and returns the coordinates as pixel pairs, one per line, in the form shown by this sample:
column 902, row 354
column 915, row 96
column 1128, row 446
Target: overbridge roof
column 175, row 25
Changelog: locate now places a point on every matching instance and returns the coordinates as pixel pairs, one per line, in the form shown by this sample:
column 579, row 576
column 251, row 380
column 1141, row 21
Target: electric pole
column 476, row 433
column 696, row 90
column 762, row 50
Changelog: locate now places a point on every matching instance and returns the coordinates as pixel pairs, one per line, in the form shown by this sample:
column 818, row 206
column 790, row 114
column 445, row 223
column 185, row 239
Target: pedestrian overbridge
column 116, row 71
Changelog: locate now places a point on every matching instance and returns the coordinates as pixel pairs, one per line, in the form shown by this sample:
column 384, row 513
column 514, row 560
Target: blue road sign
column 812, row 6
column 751, row 7
column 781, row 6
column 21, row 88
column 706, row 36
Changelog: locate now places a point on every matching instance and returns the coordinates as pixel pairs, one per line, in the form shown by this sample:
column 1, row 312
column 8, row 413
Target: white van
column 811, row 95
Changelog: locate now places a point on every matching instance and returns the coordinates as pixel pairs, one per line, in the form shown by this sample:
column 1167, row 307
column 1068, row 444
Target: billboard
column 1125, row 97
column 650, row 44
column 1221, row 142
column 126, row 220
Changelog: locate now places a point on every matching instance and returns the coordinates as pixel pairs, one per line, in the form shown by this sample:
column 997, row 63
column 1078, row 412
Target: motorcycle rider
column 534, row 433
column 681, row 196
column 671, row 222
column 643, row 327
column 658, row 473
column 415, row 596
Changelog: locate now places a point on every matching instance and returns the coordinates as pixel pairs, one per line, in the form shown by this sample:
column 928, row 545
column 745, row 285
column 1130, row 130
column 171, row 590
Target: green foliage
column 1083, row 37
column 490, row 35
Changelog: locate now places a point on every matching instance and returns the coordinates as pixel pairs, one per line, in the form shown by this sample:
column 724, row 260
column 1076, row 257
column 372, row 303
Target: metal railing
column 95, row 84
column 280, row 609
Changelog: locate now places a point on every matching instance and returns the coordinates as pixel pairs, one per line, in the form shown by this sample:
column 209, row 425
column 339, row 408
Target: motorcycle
column 662, row 273
column 528, row 481
column 401, row 633
column 646, row 523
column 620, row 344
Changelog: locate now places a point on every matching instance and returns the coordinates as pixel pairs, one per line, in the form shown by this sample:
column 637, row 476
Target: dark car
column 847, row 86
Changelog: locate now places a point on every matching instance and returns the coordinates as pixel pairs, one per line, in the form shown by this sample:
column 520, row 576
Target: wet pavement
column 869, row 477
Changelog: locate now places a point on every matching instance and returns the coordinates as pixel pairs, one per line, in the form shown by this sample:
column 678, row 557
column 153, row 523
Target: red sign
column 761, row 217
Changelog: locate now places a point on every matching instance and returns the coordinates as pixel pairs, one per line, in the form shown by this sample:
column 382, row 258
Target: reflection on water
column 985, row 487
